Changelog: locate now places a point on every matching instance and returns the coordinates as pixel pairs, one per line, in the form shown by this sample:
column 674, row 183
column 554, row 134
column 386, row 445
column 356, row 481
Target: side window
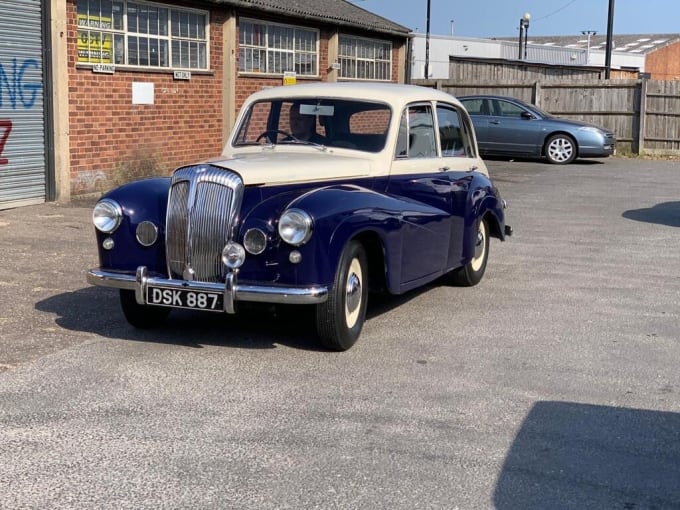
column 416, row 137
column 474, row 106
column 451, row 134
column 506, row 109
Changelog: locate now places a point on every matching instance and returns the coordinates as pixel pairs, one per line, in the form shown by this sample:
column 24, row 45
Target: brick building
column 138, row 88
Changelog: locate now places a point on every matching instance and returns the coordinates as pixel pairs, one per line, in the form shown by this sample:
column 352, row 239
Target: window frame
column 298, row 53
column 352, row 62
column 122, row 34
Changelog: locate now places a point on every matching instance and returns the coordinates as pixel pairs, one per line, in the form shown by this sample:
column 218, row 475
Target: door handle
column 494, row 122
column 444, row 169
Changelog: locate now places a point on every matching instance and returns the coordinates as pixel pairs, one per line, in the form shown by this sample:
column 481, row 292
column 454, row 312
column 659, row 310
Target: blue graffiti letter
column 31, row 88
column 14, row 85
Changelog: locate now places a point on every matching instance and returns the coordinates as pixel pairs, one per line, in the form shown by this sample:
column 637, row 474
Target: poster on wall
column 94, row 47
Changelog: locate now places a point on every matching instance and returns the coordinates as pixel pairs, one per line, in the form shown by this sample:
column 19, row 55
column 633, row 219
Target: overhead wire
column 555, row 12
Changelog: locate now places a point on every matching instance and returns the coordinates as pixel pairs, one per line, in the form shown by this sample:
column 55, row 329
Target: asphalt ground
column 552, row 384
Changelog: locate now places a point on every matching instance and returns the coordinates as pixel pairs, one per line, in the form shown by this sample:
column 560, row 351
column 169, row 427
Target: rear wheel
column 141, row 316
column 472, row 272
column 339, row 320
column 560, row 149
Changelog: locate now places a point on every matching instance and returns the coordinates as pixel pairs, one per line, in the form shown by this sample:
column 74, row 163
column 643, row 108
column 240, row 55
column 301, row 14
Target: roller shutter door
column 22, row 112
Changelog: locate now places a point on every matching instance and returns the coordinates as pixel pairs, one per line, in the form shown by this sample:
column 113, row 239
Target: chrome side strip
column 232, row 290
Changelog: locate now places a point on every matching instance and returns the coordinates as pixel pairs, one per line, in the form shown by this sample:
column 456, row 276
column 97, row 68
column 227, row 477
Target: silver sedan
column 506, row 126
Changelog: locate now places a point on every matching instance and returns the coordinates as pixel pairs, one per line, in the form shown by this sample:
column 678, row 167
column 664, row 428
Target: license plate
column 184, row 298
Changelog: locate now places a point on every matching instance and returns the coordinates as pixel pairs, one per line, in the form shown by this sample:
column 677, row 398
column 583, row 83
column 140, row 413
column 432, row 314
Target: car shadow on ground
column 571, row 455
column 665, row 213
column 255, row 326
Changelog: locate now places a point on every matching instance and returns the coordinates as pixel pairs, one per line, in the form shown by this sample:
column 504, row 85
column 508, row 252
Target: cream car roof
column 392, row 93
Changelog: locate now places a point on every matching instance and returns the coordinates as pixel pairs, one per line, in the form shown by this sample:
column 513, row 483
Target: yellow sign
column 289, row 78
column 95, row 47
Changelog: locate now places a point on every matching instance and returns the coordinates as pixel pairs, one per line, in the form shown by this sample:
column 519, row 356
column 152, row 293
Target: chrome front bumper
column 231, row 289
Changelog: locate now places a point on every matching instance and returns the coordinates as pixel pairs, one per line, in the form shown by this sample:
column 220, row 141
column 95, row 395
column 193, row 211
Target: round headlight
column 295, row 227
column 233, row 255
column 255, row 241
column 107, row 215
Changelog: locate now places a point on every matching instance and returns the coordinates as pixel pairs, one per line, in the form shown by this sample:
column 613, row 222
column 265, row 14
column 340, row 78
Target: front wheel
column 560, row 149
column 339, row 320
column 472, row 272
column 141, row 316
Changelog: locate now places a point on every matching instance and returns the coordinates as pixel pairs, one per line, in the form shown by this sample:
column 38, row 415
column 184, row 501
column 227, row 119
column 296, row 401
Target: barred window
column 271, row 48
column 365, row 59
column 141, row 34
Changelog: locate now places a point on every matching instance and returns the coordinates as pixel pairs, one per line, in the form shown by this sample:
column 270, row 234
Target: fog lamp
column 255, row 241
column 233, row 255
column 146, row 233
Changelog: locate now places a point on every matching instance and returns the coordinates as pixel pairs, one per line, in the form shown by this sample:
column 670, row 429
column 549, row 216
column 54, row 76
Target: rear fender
column 485, row 203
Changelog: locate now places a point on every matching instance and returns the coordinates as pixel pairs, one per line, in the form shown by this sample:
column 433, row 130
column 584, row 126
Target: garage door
column 22, row 113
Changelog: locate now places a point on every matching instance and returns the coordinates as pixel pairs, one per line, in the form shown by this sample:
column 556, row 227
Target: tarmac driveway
column 554, row 383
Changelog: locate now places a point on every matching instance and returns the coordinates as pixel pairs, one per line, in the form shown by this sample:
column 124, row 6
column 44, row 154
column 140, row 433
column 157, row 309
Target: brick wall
column 664, row 64
column 113, row 141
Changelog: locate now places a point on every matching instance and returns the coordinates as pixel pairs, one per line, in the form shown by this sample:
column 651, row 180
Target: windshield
column 351, row 124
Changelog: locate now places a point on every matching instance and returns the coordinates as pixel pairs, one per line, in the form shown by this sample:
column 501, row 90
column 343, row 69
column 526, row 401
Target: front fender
column 344, row 212
column 144, row 200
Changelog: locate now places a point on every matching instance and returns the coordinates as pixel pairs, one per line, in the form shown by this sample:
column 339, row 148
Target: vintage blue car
column 323, row 192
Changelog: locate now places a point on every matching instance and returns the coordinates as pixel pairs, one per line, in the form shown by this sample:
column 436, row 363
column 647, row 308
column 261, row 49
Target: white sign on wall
column 142, row 93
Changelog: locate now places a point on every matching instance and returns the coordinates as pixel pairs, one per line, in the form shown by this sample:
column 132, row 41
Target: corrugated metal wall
column 22, row 110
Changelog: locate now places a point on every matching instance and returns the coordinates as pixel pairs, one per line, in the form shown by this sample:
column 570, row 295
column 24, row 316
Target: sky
column 500, row 18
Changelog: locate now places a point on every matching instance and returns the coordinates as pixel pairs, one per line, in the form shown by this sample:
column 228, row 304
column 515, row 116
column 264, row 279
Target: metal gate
column 22, row 113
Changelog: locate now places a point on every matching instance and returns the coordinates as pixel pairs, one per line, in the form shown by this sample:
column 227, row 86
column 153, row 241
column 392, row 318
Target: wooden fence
column 644, row 114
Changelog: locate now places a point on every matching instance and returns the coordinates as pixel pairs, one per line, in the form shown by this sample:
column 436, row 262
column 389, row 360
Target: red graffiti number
column 5, row 130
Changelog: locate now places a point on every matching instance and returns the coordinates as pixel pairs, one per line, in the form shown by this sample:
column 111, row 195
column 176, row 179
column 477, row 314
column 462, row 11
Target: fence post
column 643, row 116
column 536, row 93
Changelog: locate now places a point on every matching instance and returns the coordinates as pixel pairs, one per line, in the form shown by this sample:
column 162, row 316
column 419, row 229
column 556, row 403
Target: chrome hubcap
column 480, row 247
column 353, row 292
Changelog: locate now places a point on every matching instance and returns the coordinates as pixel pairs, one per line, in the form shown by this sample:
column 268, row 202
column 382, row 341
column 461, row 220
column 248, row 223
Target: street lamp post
column 588, row 33
column 524, row 32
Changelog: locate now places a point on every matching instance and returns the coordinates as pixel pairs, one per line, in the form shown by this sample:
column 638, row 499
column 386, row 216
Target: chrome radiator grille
column 202, row 207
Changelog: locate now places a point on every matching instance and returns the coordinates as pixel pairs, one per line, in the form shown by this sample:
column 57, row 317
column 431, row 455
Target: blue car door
column 418, row 178
column 512, row 129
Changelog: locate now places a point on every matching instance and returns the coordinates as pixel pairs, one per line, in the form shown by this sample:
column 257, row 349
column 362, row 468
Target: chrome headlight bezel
column 146, row 233
column 295, row 227
column 107, row 215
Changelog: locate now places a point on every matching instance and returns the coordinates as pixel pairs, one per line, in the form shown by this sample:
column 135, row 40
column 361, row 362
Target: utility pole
column 610, row 27
column 427, row 44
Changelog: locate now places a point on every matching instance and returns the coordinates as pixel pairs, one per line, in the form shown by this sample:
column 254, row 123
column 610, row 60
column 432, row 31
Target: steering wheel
column 274, row 132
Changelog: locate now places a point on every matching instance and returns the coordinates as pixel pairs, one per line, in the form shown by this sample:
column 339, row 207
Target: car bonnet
column 286, row 168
